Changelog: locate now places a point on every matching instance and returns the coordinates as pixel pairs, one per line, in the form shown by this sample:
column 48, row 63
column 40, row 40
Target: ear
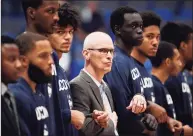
column 24, row 60
column 183, row 46
column 167, row 62
column 31, row 13
column 86, row 54
column 117, row 29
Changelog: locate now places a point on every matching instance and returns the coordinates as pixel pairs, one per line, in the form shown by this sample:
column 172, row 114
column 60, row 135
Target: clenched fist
column 77, row 119
column 138, row 104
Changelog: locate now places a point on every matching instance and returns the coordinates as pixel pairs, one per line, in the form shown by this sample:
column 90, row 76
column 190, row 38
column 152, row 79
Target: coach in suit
column 89, row 91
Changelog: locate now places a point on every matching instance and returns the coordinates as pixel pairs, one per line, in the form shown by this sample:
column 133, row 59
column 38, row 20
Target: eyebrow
column 151, row 34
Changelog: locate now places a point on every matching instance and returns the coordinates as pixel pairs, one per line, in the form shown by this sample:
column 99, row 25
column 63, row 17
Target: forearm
column 66, row 116
column 91, row 127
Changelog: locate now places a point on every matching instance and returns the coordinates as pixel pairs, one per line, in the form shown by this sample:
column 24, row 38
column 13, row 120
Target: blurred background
column 95, row 16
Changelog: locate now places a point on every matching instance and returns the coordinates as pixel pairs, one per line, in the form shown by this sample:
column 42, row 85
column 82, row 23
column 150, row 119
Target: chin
column 65, row 50
column 137, row 43
column 107, row 70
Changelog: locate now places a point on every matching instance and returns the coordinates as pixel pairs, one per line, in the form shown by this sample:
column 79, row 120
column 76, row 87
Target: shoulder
column 79, row 81
column 20, row 93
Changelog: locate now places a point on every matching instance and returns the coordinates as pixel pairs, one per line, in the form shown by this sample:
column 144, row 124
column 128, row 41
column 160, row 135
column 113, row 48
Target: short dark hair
column 165, row 50
column 117, row 16
column 26, row 41
column 150, row 18
column 176, row 33
column 68, row 16
column 30, row 3
column 7, row 40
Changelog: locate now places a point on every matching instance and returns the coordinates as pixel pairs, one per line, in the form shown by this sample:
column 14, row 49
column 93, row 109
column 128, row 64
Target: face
column 175, row 65
column 151, row 41
column 188, row 49
column 61, row 39
column 131, row 31
column 46, row 16
column 11, row 64
column 41, row 57
column 100, row 58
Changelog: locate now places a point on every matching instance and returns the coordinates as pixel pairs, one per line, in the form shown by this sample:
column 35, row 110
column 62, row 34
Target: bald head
column 97, row 40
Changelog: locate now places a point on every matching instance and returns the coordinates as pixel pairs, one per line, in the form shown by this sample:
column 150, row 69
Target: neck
column 32, row 28
column 95, row 73
column 182, row 59
column 160, row 73
column 31, row 83
column 138, row 56
column 59, row 54
column 123, row 46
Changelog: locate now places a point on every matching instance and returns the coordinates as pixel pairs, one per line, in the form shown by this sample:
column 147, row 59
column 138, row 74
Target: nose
column 50, row 61
column 139, row 31
column 18, row 64
column 180, row 64
column 67, row 36
column 109, row 55
column 56, row 17
column 155, row 42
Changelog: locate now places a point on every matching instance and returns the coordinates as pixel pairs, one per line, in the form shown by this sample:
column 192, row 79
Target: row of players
column 128, row 102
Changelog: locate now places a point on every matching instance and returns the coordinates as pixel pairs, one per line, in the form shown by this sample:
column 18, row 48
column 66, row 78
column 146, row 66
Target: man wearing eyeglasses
column 89, row 91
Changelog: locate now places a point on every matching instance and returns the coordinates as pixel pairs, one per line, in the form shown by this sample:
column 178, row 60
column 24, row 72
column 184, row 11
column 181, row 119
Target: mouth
column 140, row 38
column 154, row 49
column 109, row 63
column 66, row 44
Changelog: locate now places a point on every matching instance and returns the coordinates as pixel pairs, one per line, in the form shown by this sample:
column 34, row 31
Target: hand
column 101, row 117
column 114, row 118
column 158, row 112
column 138, row 104
column 174, row 125
column 77, row 119
column 150, row 122
column 187, row 130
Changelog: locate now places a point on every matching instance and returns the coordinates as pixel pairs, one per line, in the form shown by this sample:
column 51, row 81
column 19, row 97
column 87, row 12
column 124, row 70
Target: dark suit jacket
column 9, row 121
column 86, row 98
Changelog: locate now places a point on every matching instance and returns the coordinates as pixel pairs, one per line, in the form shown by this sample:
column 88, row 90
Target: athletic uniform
column 120, row 82
column 31, row 107
column 143, row 82
column 163, row 98
column 59, row 101
column 182, row 98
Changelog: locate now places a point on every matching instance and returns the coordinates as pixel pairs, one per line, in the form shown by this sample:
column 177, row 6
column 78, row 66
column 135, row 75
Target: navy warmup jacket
column 120, row 82
column 182, row 98
column 59, row 102
column 142, row 82
column 163, row 98
column 31, row 107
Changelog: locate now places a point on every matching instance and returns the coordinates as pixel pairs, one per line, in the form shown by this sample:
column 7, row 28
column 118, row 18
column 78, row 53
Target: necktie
column 12, row 107
column 106, row 103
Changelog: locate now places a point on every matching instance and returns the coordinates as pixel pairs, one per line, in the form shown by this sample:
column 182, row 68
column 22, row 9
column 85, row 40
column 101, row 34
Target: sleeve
column 173, row 89
column 119, row 82
column 159, row 95
column 82, row 103
column 24, row 113
column 66, row 115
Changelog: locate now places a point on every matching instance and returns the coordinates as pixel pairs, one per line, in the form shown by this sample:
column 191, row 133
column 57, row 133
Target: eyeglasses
column 104, row 51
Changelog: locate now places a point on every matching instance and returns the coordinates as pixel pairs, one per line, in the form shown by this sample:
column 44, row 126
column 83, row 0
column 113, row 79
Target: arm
column 157, row 111
column 187, row 130
column 118, row 82
column 82, row 103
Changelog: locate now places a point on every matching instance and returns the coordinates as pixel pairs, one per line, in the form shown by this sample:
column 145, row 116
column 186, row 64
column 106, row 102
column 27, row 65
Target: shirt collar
column 95, row 81
column 3, row 88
